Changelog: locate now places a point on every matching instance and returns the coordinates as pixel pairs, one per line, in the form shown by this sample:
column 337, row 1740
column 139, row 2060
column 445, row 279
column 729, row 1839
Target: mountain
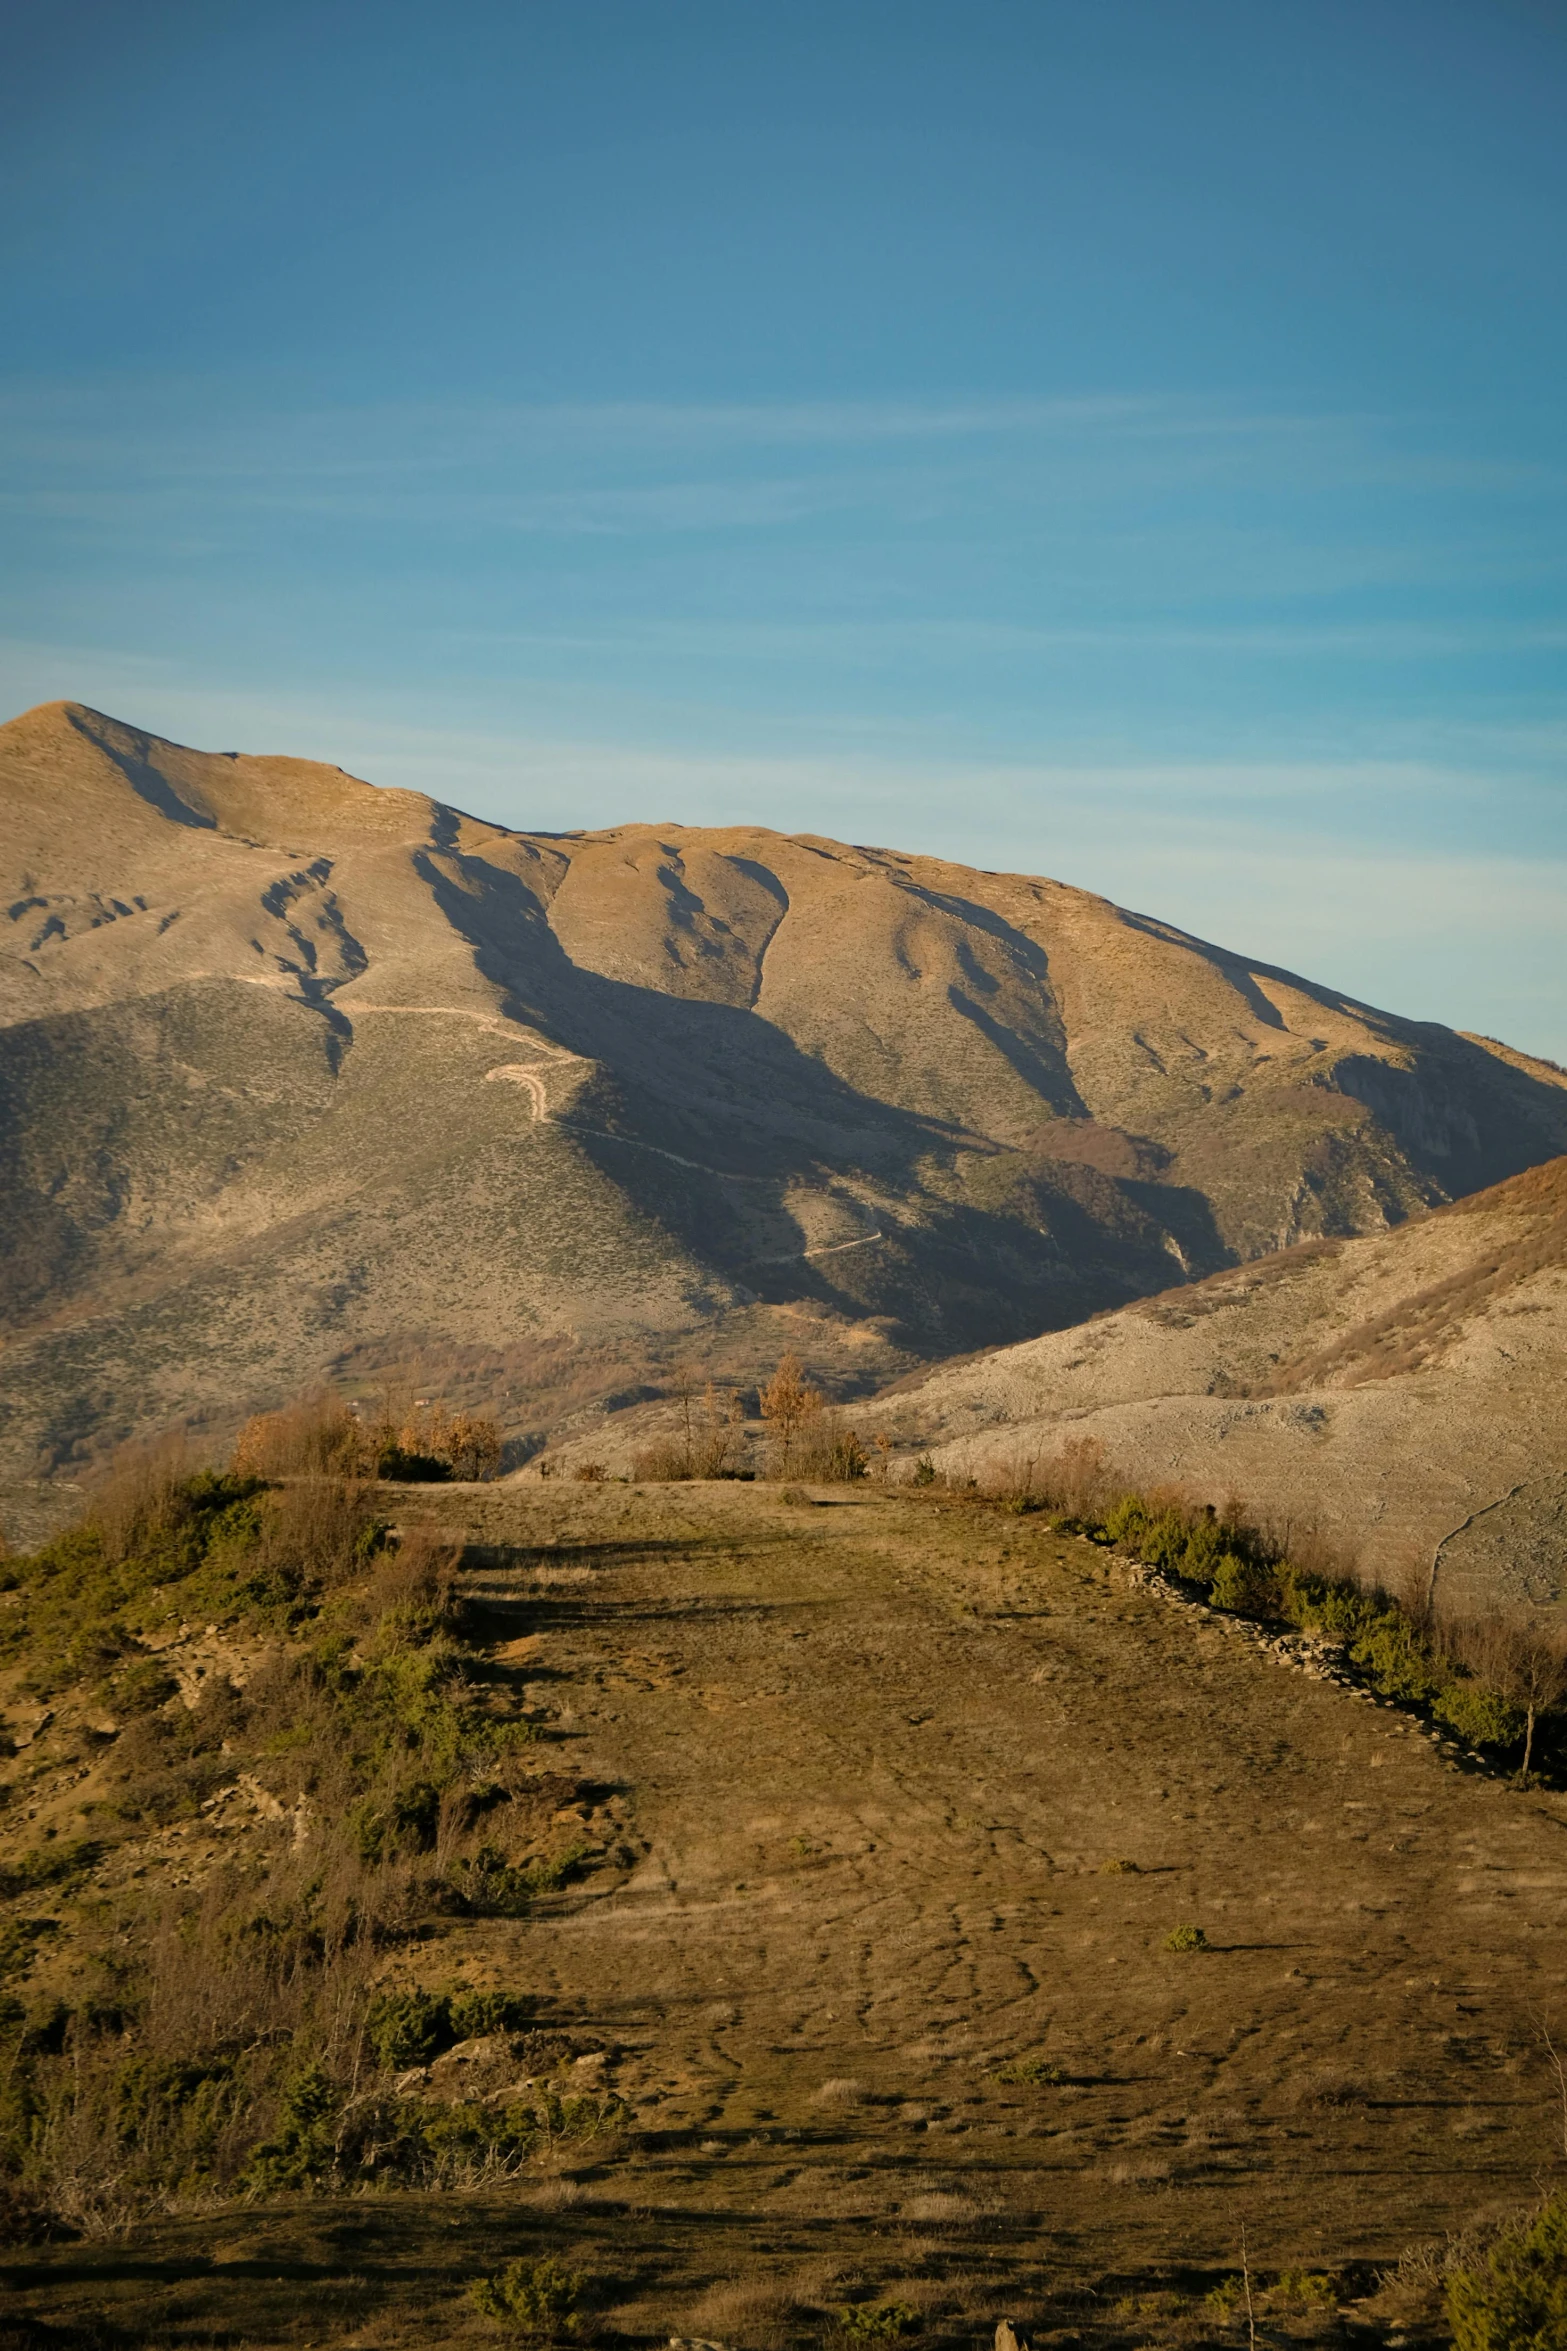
column 1405, row 1394
column 302, row 1077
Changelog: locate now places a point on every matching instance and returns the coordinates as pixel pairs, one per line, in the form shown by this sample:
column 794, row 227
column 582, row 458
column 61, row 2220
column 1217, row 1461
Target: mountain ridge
column 307, row 1078
column 1399, row 1394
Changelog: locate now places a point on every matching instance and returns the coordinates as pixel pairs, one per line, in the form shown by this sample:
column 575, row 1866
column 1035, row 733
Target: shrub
column 1395, row 1658
column 321, row 1436
column 475, row 2015
column 141, row 1687
column 664, row 1464
column 303, row 2148
column 408, row 2027
column 48, row 1865
column 175, row 2109
column 1187, row 1938
column 489, row 1886
column 403, row 1821
column 1493, row 1679
column 924, row 1471
column 1483, row 1717
column 316, row 1436
column 1032, row 2072
column 708, row 1440
column 474, row 1447
column 876, row 2322
column 827, row 1449
column 1516, row 2298
column 531, row 2297
column 398, row 1465
column 1309, row 2288
column 1235, row 1583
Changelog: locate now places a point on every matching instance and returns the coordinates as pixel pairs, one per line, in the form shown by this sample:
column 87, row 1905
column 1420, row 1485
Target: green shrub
column 1395, row 1659
column 1312, row 2289
column 140, row 1687
column 1187, row 1938
column 1032, row 2072
column 1243, row 1571
column 1209, row 1550
column 303, row 2149
column 403, row 1822
column 174, row 2112
column 537, row 2297
column 1237, row 1584
column 1516, row 2298
column 19, row 1938
column 876, row 2322
column 399, row 1466
column 924, row 1471
column 48, row 1865
column 409, row 2027
column 1484, row 1717
column 489, row 1886
column 475, row 2015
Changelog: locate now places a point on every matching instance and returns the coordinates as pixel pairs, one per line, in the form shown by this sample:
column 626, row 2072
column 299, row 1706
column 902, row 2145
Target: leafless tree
column 1523, row 1659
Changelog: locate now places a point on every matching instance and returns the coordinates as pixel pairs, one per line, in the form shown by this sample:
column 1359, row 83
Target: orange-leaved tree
column 787, row 1403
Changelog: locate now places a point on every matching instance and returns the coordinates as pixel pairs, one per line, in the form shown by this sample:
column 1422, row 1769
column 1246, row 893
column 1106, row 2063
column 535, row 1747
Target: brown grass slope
column 299, row 1075
column 845, row 1938
column 1405, row 1393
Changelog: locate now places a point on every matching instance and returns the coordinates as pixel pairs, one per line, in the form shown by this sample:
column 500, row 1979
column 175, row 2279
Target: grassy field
column 880, row 1812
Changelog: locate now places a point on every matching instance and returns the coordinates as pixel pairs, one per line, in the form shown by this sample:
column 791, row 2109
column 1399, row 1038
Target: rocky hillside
column 1404, row 1393
column 303, row 1077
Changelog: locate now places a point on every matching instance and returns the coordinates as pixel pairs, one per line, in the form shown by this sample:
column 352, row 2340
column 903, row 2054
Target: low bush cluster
column 808, row 1438
column 232, row 2035
column 531, row 2298
column 322, row 1436
column 1514, row 2297
column 409, row 2027
column 706, row 1443
column 328, row 2139
column 1495, row 1681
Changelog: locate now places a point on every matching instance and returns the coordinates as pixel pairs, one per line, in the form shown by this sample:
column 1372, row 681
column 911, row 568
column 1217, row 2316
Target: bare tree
column 1523, row 1660
column 721, row 1418
column 684, row 1385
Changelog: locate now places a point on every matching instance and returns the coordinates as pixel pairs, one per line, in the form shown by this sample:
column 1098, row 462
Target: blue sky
column 1121, row 439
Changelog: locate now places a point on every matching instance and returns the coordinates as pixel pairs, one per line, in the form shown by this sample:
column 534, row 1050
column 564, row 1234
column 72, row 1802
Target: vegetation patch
column 231, row 2034
column 1499, row 1682
column 533, row 2299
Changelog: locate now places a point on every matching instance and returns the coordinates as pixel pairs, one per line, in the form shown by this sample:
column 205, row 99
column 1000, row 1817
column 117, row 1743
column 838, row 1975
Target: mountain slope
column 1405, row 1393
column 301, row 1075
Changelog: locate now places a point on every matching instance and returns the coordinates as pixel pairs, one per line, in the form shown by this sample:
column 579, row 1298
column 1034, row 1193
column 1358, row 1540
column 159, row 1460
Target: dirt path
column 854, row 1770
column 879, row 1758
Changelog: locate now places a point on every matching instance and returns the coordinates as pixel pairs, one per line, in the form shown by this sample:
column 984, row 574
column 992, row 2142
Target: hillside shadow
column 708, row 1115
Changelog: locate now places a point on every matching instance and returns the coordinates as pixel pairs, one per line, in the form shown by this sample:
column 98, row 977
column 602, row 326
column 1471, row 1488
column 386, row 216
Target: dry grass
column 815, row 2054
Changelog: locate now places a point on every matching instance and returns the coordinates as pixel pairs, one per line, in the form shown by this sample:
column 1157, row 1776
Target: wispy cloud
column 956, row 638
column 201, row 432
